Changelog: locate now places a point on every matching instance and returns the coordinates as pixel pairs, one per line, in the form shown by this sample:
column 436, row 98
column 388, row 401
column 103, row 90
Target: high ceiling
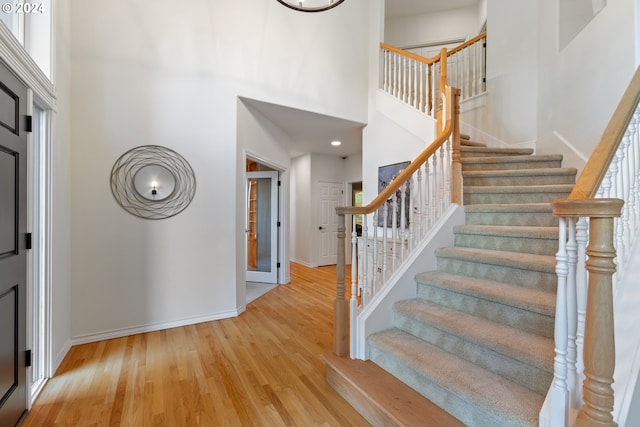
column 396, row 8
column 313, row 133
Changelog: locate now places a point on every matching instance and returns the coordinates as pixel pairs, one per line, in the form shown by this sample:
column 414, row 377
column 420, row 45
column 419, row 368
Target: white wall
column 387, row 143
column 61, row 191
column 353, row 168
column 433, row 27
column 259, row 139
column 582, row 83
column 306, row 172
column 300, row 216
column 150, row 72
column 512, row 68
column 556, row 100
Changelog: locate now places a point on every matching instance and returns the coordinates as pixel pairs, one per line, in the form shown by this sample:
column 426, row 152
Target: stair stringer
column 378, row 314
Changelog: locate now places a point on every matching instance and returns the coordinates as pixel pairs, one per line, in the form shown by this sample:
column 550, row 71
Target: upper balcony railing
column 416, row 80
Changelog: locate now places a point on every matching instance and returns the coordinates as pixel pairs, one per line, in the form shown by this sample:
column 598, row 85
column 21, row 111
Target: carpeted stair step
column 515, row 194
column 466, row 151
column 522, row 357
column 470, row 393
column 532, row 310
column 542, row 176
column 533, row 214
column 527, row 270
column 511, row 162
column 469, row 143
column 532, row 240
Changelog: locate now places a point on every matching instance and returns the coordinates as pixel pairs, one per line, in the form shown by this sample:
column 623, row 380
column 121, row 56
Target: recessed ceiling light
column 336, row 143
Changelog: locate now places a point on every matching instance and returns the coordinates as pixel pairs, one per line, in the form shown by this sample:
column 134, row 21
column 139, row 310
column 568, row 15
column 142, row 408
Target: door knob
column 321, row 228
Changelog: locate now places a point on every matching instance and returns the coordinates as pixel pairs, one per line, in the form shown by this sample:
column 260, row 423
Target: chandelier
column 311, row 5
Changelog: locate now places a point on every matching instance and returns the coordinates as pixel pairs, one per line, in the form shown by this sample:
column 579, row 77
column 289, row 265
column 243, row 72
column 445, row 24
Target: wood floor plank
column 263, row 368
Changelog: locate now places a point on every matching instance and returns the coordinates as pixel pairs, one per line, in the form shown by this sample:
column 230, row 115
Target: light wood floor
column 263, row 368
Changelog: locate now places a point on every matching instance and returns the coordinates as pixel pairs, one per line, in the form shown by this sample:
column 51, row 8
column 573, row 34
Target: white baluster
column 405, row 91
column 394, row 231
column 421, row 81
column 374, row 250
column 618, row 192
column 435, row 193
column 368, row 285
column 421, row 211
column 412, row 216
column 624, row 230
column 443, row 183
column 403, row 219
column 582, row 238
column 354, row 260
column 633, row 187
column 427, row 197
column 385, row 218
column 574, row 382
column 559, row 393
column 636, row 162
column 396, row 65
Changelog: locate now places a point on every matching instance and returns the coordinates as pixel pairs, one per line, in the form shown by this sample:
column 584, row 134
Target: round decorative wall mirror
column 311, row 5
column 153, row 182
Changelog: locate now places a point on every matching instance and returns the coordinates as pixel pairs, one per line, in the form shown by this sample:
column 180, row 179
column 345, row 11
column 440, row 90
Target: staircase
column 478, row 339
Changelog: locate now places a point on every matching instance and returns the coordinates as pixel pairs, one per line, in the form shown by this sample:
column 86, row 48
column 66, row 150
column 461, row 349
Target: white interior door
column 330, row 196
column 262, row 227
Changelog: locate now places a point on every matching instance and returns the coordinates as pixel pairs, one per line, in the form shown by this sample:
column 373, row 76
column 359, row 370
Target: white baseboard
column 123, row 332
column 303, row 263
column 57, row 360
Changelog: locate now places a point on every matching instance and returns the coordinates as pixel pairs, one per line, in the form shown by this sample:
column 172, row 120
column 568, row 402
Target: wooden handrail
column 467, row 43
column 594, row 171
column 436, row 58
column 395, row 185
column 413, row 56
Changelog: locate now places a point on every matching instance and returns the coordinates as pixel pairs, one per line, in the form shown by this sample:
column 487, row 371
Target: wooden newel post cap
column 594, row 208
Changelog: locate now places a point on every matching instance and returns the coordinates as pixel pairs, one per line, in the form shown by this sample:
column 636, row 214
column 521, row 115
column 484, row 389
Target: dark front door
column 13, row 258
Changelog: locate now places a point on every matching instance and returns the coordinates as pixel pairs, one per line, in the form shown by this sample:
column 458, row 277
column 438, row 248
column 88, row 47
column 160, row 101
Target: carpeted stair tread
column 518, row 189
column 543, row 208
column 539, row 176
column 541, row 263
column 533, row 300
column 468, row 389
column 511, row 159
column 510, row 162
column 530, row 232
column 520, row 172
column 501, row 194
column 493, row 151
column 532, row 349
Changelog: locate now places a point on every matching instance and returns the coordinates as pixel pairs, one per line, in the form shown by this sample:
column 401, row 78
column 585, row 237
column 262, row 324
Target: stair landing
column 381, row 398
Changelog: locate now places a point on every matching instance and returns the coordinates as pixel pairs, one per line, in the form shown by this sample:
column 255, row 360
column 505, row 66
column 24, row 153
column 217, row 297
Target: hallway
column 263, row 368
